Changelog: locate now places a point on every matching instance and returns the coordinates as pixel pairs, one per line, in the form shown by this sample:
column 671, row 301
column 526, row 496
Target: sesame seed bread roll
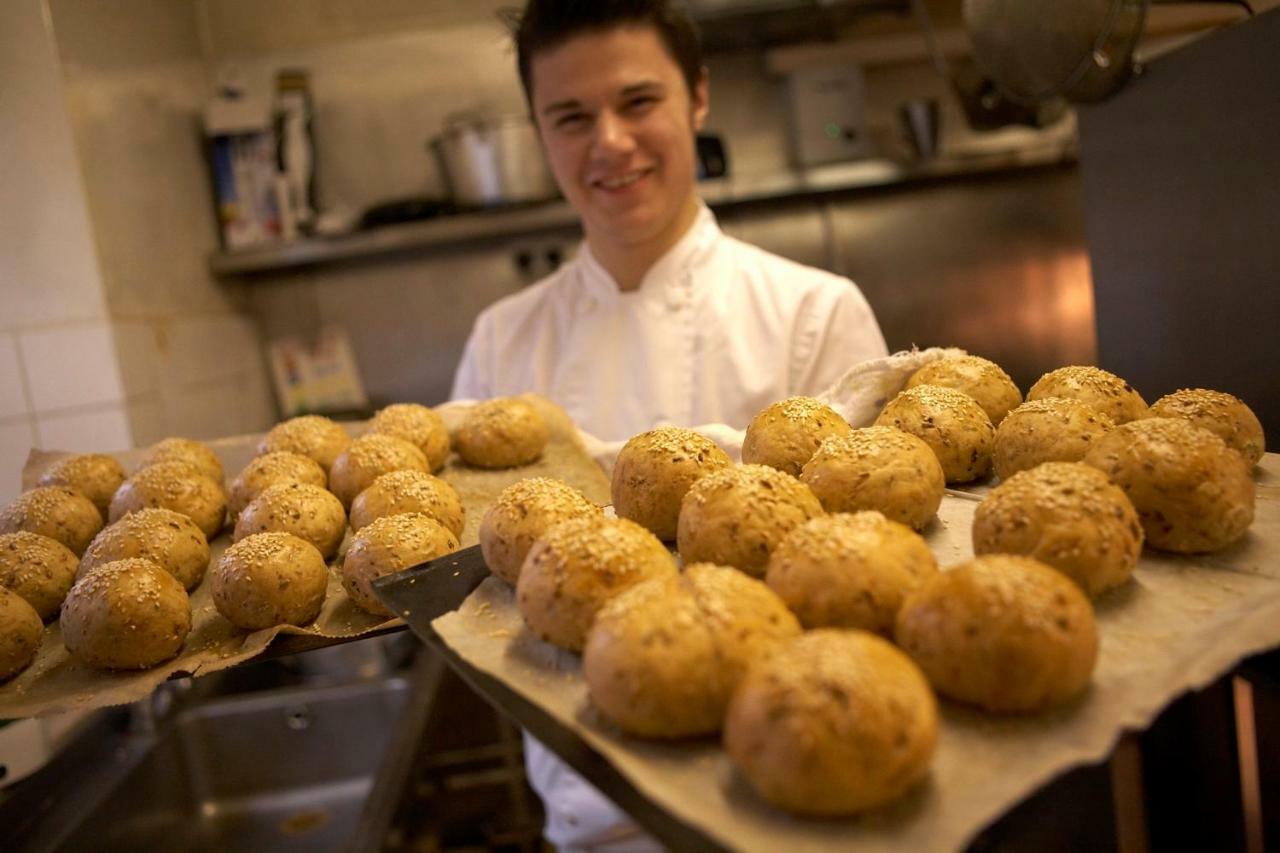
column 786, row 434
column 418, row 425
column 54, row 511
column 21, row 633
column 653, row 473
column 313, row 436
column 505, row 432
column 521, row 515
column 197, row 454
column 130, row 614
column 169, row 539
column 1093, row 386
column 268, row 469
column 94, row 475
column 983, row 380
column 409, row 491
column 174, row 485
column 1052, row 429
column 368, row 458
column 38, row 568
column 308, row 512
column 1224, row 415
column 878, row 468
column 389, row 545
column 953, row 425
column 269, row 579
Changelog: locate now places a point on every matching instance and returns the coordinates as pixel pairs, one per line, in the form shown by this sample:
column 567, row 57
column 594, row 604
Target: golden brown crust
column 94, row 475
column 313, row 436
column 308, row 512
column 269, row 579
column 54, row 511
column 268, row 469
column 195, row 453
column 1051, row 429
column 417, row 424
column 38, row 568
column 177, row 486
column 786, row 434
column 368, row 458
column 983, row 380
column 953, row 425
column 1093, row 386
column 130, row 614
column 409, row 491
column 169, row 539
column 1224, row 415
column 504, row 432
column 20, row 633
column 878, row 468
column 653, row 473
column 389, row 545
column 523, row 512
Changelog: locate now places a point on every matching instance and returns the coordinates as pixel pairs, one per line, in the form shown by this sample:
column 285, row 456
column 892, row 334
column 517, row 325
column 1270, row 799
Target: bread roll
column 576, row 567
column 1224, row 415
column 501, row 433
column 1004, row 633
column 1093, row 386
column 654, row 471
column 308, row 512
column 878, row 468
column 737, row 516
column 38, row 568
column 409, row 491
column 834, row 723
column 94, row 475
column 1052, row 429
column 268, row 469
column 983, row 380
column 54, row 511
column 1067, row 515
column 269, row 579
column 173, row 485
column 951, row 422
column 368, row 458
column 169, row 539
column 523, row 512
column 418, row 425
column 389, row 545
column 1193, row 493
column 786, row 434
column 849, row 571
column 130, row 614
column 313, row 436
column 20, row 633
column 195, row 453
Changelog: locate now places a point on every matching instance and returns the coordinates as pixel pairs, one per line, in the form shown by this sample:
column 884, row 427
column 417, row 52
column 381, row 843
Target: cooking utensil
column 493, row 160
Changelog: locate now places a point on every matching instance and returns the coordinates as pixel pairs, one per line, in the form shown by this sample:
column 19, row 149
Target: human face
column 617, row 121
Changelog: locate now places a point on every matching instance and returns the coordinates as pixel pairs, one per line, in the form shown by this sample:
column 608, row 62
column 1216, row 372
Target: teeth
column 618, row 183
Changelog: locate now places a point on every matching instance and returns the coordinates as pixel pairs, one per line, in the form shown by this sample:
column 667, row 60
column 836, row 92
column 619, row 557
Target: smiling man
column 660, row 318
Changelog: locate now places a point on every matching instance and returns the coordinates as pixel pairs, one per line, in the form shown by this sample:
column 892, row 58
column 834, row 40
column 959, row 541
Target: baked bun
column 1052, row 429
column 983, row 380
column 313, row 436
column 880, row 468
column 54, row 511
column 833, row 723
column 418, row 425
column 523, row 512
column 389, row 545
column 1067, row 515
column 269, row 579
column 409, row 491
column 576, row 567
column 953, row 425
column 654, row 471
column 38, row 568
column 786, row 434
column 663, row 657
column 1104, row 391
column 737, row 516
column 94, row 475
column 169, row 539
column 173, row 485
column 1001, row 632
column 1224, row 415
column 308, row 512
column 368, row 458
column 130, row 614
column 20, row 633
column 268, row 469
column 195, row 453
column 849, row 571
column 1193, row 493
column 501, row 433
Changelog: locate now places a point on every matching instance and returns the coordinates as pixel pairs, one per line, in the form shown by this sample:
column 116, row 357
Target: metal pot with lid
column 493, row 160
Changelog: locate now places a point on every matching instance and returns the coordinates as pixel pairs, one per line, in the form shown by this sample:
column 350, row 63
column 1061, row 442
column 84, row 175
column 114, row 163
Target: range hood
column 743, row 24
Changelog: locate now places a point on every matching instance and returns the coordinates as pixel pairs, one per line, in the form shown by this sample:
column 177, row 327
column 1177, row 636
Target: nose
column 613, row 136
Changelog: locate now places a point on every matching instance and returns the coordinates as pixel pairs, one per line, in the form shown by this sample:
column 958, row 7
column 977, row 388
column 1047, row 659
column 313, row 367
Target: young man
column 661, row 318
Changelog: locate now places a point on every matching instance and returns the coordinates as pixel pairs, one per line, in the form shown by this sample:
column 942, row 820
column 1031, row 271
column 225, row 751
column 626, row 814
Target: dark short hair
column 547, row 24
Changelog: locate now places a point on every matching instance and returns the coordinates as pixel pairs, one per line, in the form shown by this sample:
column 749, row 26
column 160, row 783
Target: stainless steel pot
column 491, row 161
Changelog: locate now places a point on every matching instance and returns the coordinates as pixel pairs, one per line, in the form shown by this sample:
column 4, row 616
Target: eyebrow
column 644, row 86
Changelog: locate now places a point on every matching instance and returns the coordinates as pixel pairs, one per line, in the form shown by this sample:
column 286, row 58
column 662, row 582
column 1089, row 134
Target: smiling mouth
column 622, row 181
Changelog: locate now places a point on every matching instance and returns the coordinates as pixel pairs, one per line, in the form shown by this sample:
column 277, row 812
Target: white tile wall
column 13, row 398
column 69, row 367
column 17, row 437
column 147, row 421
column 204, row 411
column 138, row 355
column 92, row 431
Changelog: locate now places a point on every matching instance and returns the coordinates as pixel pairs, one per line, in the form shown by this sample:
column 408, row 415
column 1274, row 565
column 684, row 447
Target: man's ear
column 700, row 99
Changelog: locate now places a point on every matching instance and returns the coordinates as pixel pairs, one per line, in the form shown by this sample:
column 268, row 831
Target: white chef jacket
column 717, row 330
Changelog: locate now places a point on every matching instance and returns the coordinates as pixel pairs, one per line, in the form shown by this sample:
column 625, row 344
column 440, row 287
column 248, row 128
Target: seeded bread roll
column 409, row 491
column 316, row 437
column 786, row 434
column 953, row 425
column 834, row 723
column 849, row 571
column 576, row 567
column 663, row 657
column 54, row 511
column 1093, row 386
column 417, row 425
column 38, row 568
column 269, row 579
column 167, row 538
column 198, row 454
column 1224, row 415
column 268, row 469
column 983, row 380
column 94, row 475
column 654, row 471
column 173, row 485
column 501, row 433
column 20, row 633
column 368, row 458
column 523, row 512
column 1193, row 493
column 1067, row 515
column 1052, row 429
column 878, row 468
column 130, row 614
column 1004, row 633
column 389, row 545
column 308, row 512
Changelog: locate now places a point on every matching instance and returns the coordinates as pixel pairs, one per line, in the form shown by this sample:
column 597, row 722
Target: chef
column 660, row 318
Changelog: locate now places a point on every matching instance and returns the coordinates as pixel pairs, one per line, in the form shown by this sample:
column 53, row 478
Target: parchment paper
column 55, row 682
column 1180, row 624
